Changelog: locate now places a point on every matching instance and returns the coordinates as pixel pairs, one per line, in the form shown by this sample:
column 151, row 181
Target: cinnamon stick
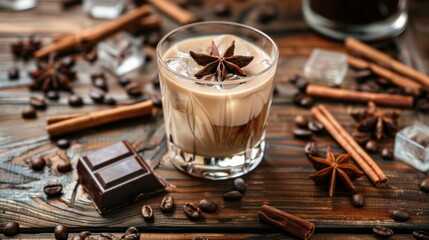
column 392, row 77
column 289, row 223
column 94, row 119
column 59, row 118
column 173, row 10
column 89, row 37
column 383, row 99
column 371, row 169
column 382, row 58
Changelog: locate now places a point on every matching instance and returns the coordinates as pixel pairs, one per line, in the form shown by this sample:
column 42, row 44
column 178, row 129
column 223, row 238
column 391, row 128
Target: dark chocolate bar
column 116, row 175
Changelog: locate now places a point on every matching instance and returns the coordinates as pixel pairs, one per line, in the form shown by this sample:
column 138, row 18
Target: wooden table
column 281, row 180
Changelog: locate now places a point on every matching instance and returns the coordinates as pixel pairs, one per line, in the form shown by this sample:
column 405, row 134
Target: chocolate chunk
column 302, row 133
column 239, row 184
column 147, row 213
column 53, row 190
column 301, row 121
column 358, row 200
column 400, row 215
column 232, row 196
column 424, row 185
column 167, row 203
column 387, row 154
column 11, row 229
column 13, row 73
column 116, row 175
column 207, row 205
column 75, row 100
column 63, row 143
column 38, row 102
column 29, row 113
column 38, row 164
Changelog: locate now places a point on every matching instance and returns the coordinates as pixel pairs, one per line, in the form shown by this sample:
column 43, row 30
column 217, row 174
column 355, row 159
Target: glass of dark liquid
column 366, row 20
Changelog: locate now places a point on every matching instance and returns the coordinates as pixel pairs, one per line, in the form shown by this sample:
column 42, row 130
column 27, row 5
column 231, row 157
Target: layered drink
column 216, row 124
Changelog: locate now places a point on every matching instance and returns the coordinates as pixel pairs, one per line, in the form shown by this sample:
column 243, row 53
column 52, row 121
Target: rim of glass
column 245, row 79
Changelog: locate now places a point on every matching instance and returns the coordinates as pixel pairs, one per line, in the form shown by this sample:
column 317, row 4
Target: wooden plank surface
column 281, row 180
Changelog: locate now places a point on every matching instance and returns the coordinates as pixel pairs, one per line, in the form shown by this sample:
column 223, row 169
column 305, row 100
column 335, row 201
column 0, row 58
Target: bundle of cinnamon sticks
column 366, row 163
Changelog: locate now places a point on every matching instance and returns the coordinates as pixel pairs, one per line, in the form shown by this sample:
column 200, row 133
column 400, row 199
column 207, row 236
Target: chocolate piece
column 116, row 175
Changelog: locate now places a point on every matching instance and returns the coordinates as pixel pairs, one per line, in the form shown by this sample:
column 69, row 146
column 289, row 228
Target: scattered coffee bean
column 53, row 190
column 99, row 81
column 294, row 79
column 302, row 133
column 301, row 121
column 200, row 238
column 167, row 203
column 267, row 13
column 306, row 102
column 133, row 90
column 13, row 73
column 29, row 113
column 361, row 138
column 90, row 55
column 316, row 126
column 387, row 154
column 38, row 102
column 358, row 200
column 207, row 205
column 107, row 236
column 400, row 215
column 64, row 167
column 75, row 100
column 297, row 97
column 191, row 211
column 424, row 185
column 53, row 95
column 97, row 95
column 61, row 232
column 222, row 9
column 124, row 81
column 77, row 237
column 63, row 143
column 68, row 62
column 383, row 232
column 37, row 164
column 371, row 146
column 84, row 234
column 311, row 148
column 232, row 196
column 131, row 234
column 301, row 84
column 110, row 101
column 420, row 235
column 11, row 229
column 239, row 184
column 147, row 212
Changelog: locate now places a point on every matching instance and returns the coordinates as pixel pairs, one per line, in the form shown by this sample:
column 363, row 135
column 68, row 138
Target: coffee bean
column 75, row 100
column 61, row 232
column 316, row 126
column 358, row 200
column 37, row 164
column 64, row 167
column 84, row 234
column 107, row 236
column 294, row 79
column 147, row 212
column 222, row 9
column 383, row 232
column 38, row 102
column 97, row 95
column 232, row 196
column 301, row 84
column 13, row 73
column 53, row 95
column 110, row 101
column 400, row 215
column 302, row 133
column 191, row 211
column 99, row 81
column 207, row 205
column 131, row 234
column 53, row 190
column 11, row 229
column 167, row 203
column 77, row 237
column 68, row 62
column 387, row 153
column 63, row 143
column 371, row 146
column 200, row 238
column 301, row 121
column 420, row 235
column 311, row 148
column 297, row 97
column 267, row 13
column 361, row 138
column 29, row 113
column 124, row 81
column 306, row 102
column 133, row 90
column 239, row 184
column 424, row 185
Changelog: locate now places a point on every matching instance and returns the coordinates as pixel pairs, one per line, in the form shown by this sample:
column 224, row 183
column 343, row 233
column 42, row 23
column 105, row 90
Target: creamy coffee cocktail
column 216, row 94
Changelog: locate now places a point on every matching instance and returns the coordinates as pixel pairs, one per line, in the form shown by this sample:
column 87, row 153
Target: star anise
column 334, row 169
column 373, row 120
column 25, row 49
column 53, row 75
column 219, row 65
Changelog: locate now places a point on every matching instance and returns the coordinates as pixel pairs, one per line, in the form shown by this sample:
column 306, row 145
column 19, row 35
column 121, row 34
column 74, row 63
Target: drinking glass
column 216, row 129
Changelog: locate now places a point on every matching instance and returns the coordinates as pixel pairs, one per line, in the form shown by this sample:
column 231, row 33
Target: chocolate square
column 116, row 175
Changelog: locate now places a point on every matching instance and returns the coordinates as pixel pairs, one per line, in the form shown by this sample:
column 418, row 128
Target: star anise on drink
column 25, row 49
column 373, row 120
column 53, row 75
column 219, row 65
column 334, row 169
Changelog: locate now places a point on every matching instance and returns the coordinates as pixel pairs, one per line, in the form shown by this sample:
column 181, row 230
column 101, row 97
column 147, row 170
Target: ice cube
column 241, row 47
column 180, row 65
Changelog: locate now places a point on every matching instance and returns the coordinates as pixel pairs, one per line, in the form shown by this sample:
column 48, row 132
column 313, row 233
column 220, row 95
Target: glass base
column 389, row 28
column 216, row 168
